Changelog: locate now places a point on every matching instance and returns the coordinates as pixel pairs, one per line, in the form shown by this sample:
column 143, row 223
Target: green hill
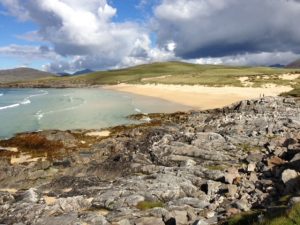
column 181, row 73
column 22, row 74
column 172, row 73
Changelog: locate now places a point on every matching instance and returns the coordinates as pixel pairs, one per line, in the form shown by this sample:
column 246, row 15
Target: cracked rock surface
column 198, row 167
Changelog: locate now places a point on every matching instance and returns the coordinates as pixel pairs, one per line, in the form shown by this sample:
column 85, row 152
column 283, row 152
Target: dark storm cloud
column 217, row 28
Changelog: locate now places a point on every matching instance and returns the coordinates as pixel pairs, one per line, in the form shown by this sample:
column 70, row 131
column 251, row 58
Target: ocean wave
column 25, row 101
column 137, row 110
column 39, row 115
column 9, row 106
column 1, row 94
column 42, row 92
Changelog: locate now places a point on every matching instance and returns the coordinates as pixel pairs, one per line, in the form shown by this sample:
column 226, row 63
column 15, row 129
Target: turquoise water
column 23, row 110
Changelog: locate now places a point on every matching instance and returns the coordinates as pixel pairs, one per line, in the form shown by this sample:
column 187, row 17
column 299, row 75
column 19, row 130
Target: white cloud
column 83, row 34
column 254, row 59
column 84, row 31
column 28, row 52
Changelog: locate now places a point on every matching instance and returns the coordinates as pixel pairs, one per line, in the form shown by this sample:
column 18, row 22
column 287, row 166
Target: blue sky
column 13, row 28
column 70, row 35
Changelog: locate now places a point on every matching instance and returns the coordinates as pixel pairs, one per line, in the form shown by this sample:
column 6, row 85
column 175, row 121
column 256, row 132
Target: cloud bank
column 222, row 28
column 83, row 33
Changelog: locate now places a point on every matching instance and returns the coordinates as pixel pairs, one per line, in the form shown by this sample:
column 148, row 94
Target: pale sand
column 289, row 76
column 9, row 149
column 49, row 200
column 104, row 133
column 25, row 159
column 9, row 190
column 199, row 97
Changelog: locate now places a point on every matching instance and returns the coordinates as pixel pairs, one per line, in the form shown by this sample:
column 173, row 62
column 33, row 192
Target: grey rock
column 122, row 222
column 181, row 217
column 294, row 200
column 242, row 205
column 212, row 187
column 194, row 202
column 200, row 222
column 69, row 219
column 149, row 221
column 288, row 175
column 30, row 196
column 251, row 167
column 254, row 157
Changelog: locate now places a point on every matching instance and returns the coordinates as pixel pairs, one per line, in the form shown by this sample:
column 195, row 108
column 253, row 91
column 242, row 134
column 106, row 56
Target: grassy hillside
column 176, row 73
column 181, row 73
column 22, row 74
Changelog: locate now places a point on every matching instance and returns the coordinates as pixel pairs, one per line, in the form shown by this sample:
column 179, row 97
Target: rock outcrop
column 198, row 167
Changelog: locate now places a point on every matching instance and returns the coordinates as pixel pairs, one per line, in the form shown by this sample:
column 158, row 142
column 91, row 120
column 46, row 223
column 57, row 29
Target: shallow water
column 23, row 110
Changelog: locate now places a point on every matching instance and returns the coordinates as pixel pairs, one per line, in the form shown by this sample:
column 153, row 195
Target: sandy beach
column 200, row 97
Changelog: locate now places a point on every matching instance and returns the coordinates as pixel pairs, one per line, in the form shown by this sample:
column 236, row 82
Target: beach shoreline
column 199, row 97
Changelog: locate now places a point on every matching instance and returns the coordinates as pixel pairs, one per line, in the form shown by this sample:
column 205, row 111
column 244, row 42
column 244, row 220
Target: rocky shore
column 198, row 168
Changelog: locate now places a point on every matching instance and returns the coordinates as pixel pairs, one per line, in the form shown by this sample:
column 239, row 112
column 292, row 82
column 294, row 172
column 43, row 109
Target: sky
column 71, row 35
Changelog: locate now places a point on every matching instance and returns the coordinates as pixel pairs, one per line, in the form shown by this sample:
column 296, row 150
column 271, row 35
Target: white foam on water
column 42, row 92
column 39, row 115
column 137, row 110
column 26, row 101
column 1, row 94
column 10, row 106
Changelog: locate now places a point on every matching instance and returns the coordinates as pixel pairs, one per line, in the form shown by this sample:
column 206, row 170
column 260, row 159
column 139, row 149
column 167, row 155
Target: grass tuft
column 145, row 205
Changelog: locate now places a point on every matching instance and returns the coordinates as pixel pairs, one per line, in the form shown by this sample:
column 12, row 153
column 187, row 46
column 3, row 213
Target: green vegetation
column 181, row 73
column 247, row 218
column 145, row 205
column 281, row 216
column 247, row 147
column 295, row 92
column 216, row 167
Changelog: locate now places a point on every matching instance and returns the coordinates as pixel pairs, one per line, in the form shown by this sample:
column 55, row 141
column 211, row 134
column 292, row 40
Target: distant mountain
column 22, row 74
column 83, row 72
column 277, row 66
column 63, row 74
column 295, row 64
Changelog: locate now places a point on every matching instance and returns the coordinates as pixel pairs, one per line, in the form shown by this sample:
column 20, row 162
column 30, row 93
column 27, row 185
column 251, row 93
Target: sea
column 28, row 110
